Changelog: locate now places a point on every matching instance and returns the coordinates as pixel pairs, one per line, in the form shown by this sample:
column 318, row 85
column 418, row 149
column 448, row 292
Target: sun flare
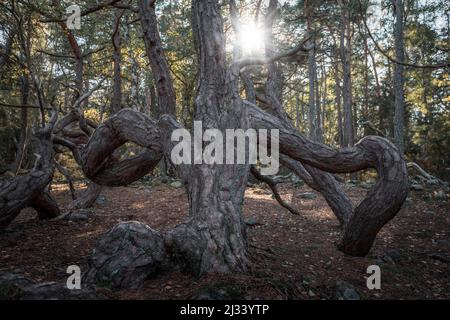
column 251, row 39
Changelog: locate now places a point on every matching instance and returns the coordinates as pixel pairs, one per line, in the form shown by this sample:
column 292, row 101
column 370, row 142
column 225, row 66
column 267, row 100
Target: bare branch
column 273, row 186
column 84, row 12
column 18, row 106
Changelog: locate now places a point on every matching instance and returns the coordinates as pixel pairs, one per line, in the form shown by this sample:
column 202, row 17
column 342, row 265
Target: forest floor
column 293, row 257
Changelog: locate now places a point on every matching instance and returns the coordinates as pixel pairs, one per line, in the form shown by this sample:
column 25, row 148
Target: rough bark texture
column 97, row 157
column 158, row 61
column 29, row 189
column 77, row 137
column 213, row 239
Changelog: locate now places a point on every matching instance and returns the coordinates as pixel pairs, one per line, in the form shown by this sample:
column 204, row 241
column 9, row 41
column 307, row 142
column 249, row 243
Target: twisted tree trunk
column 29, row 190
column 213, row 237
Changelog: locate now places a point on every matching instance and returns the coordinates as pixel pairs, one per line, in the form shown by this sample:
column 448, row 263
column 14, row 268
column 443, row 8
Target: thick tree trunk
column 213, row 239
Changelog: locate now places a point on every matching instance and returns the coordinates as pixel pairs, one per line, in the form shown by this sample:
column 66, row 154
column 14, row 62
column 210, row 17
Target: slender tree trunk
column 314, row 126
column 399, row 114
column 338, row 99
column 25, row 92
column 318, row 105
column 158, row 61
column 345, row 52
column 366, row 84
column 116, row 102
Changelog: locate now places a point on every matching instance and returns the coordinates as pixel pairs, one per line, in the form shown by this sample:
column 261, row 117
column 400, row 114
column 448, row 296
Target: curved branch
column 273, row 186
column 97, row 157
column 382, row 202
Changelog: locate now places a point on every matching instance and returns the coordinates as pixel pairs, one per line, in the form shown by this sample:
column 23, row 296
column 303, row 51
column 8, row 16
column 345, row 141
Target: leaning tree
column 213, row 239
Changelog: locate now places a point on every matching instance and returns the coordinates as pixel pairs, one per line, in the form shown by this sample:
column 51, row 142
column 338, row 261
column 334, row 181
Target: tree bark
column 158, row 61
column 21, row 146
column 213, row 239
column 29, row 189
column 345, row 52
column 399, row 114
column 116, row 102
column 382, row 202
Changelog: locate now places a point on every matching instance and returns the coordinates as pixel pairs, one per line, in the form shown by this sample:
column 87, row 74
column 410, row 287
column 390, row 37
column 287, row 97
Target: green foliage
column 426, row 90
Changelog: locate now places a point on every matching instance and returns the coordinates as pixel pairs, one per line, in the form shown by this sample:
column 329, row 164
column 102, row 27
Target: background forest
column 342, row 90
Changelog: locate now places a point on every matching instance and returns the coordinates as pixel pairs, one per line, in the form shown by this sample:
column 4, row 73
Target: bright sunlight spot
column 251, row 39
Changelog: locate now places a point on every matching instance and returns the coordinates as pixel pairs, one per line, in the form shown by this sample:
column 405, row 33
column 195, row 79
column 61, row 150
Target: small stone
column 78, row 216
column 393, row 256
column 417, row 187
column 440, row 195
column 101, row 199
column 345, row 291
column 176, row 184
column 307, row 195
column 367, row 185
column 251, row 221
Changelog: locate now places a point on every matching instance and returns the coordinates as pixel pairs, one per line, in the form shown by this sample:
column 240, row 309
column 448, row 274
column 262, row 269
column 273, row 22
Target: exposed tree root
column 429, row 179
